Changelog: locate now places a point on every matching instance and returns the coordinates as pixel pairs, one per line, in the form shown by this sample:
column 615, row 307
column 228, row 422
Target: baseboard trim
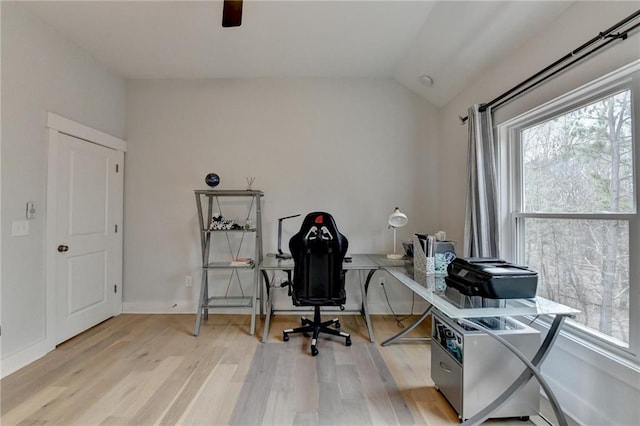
column 570, row 398
column 14, row 362
column 546, row 411
column 190, row 308
column 176, row 308
column 158, row 308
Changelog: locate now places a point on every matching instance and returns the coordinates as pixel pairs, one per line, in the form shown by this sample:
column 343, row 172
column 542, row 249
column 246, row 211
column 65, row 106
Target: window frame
column 511, row 192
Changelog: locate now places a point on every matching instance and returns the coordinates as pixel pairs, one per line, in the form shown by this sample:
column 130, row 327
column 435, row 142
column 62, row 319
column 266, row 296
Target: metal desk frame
column 359, row 262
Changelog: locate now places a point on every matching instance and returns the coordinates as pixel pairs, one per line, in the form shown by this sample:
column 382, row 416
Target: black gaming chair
column 318, row 250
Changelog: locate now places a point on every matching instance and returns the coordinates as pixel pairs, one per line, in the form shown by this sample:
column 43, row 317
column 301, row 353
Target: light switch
column 19, row 228
column 31, row 210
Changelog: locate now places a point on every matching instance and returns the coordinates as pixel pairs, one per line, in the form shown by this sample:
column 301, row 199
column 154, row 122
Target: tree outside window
column 575, row 203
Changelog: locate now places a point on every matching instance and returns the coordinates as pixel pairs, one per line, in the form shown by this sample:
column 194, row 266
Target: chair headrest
column 318, row 234
column 319, row 227
column 322, row 223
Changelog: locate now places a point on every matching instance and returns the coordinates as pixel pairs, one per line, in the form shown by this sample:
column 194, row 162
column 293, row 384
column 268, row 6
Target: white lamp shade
column 397, row 218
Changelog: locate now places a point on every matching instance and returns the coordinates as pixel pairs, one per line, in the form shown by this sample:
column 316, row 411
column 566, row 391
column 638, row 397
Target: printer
column 491, row 278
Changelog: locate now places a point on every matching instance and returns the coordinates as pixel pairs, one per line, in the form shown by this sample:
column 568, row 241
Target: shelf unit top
column 230, row 192
column 230, row 230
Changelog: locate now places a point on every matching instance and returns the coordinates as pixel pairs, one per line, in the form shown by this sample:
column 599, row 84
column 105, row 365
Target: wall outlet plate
column 19, row 228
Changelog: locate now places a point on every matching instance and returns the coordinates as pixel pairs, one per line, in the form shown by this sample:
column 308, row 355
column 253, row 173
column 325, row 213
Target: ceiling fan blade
column 232, row 13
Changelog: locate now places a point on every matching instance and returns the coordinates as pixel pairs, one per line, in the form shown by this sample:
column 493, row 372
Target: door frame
column 57, row 125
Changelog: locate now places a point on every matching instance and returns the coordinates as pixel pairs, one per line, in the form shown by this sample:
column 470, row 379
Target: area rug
column 342, row 385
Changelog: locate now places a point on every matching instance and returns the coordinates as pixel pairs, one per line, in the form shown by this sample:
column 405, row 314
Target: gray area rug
column 342, row 385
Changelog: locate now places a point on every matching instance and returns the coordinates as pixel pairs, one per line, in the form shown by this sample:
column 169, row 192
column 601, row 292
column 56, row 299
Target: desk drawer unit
column 471, row 368
column 446, row 373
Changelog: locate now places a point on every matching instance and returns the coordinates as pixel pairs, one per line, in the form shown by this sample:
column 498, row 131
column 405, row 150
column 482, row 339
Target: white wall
column 355, row 148
column 595, row 390
column 41, row 72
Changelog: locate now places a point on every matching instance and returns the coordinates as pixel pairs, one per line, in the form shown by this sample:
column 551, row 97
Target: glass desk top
column 402, row 270
column 511, row 307
column 358, row 261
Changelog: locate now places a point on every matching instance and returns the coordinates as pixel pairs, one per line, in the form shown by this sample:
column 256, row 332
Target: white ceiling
column 451, row 41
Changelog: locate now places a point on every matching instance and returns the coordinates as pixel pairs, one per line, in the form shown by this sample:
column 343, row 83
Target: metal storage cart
column 471, row 369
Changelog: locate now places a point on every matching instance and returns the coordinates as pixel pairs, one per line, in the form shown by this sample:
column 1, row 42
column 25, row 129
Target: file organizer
column 426, row 268
column 423, row 265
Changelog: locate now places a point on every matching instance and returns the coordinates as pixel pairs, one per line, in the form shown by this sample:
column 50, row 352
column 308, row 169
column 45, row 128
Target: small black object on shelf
column 212, row 180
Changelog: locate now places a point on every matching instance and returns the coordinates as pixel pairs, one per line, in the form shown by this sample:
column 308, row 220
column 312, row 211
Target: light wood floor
column 150, row 369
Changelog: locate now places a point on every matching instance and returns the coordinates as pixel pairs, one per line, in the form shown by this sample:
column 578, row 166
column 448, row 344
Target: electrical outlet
column 188, row 281
column 19, row 228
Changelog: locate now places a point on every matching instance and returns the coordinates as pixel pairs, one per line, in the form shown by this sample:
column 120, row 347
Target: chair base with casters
column 316, row 327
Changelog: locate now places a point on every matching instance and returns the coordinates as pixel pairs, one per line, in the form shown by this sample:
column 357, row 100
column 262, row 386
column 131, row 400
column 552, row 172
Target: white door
column 88, row 258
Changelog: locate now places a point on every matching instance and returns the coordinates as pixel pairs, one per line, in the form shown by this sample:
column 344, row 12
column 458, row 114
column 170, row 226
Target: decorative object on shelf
column 397, row 219
column 241, row 261
column 218, row 222
column 250, row 181
column 212, row 180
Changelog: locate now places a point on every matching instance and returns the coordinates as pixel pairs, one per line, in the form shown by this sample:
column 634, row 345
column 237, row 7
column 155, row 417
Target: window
column 568, row 183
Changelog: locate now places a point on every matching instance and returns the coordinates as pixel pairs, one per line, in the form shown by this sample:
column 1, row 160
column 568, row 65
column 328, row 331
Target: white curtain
column 481, row 216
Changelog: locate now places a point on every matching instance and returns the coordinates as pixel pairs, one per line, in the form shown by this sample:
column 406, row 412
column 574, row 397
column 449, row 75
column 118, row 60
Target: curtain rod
column 605, row 36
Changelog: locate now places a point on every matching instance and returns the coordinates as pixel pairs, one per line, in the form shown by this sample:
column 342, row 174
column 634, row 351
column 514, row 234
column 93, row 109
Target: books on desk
column 242, row 261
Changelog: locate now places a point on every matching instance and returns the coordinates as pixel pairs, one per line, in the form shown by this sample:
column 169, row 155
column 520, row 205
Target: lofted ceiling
column 451, row 41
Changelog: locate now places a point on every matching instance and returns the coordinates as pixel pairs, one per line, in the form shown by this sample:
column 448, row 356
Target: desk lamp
column 397, row 219
column 280, row 254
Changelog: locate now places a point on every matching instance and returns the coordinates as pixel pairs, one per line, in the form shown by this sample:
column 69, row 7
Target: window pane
column 583, row 264
column 581, row 161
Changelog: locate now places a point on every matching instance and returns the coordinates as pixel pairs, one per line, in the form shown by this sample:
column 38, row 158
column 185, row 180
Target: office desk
column 402, row 270
column 510, row 308
column 363, row 263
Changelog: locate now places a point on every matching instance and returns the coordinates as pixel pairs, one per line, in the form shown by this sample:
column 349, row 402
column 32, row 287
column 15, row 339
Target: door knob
column 62, row 248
